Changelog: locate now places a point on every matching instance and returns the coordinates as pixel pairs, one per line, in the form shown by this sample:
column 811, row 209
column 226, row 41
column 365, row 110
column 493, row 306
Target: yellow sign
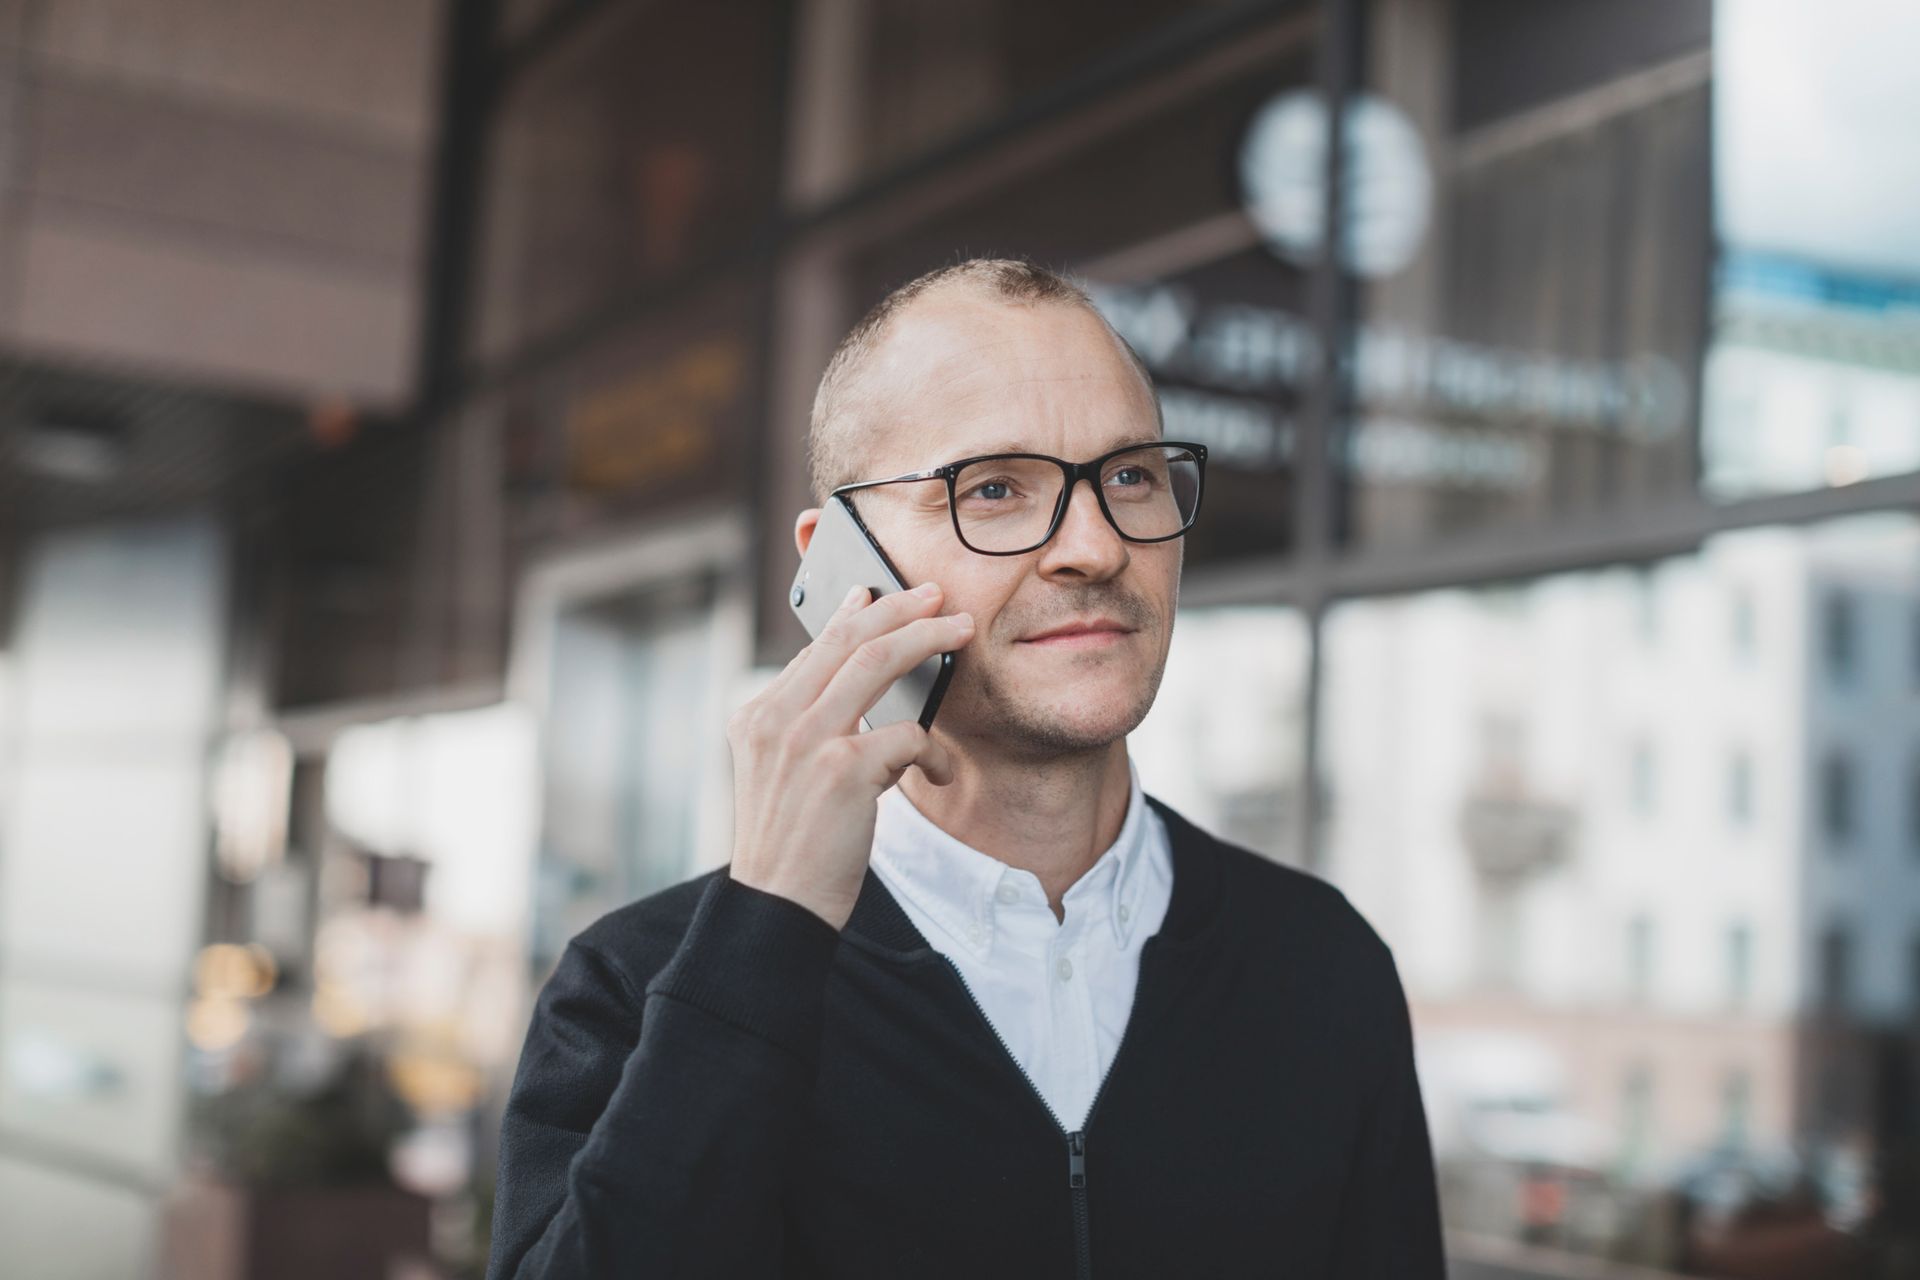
column 659, row 425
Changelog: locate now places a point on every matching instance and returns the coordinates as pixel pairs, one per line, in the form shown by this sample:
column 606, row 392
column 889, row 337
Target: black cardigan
column 716, row 1082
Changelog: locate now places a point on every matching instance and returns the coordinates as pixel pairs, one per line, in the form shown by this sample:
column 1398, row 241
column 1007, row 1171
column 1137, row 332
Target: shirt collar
column 958, row 886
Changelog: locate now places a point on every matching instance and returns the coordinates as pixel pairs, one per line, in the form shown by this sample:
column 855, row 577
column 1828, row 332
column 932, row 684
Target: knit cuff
column 757, row 960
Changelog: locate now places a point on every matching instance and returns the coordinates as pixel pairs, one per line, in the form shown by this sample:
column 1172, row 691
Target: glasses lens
column 1004, row 504
column 1152, row 491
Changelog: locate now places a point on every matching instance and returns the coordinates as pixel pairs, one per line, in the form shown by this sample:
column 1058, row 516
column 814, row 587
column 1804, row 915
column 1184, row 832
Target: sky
column 1817, row 130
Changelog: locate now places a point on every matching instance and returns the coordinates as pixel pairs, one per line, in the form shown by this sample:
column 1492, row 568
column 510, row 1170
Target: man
column 967, row 1002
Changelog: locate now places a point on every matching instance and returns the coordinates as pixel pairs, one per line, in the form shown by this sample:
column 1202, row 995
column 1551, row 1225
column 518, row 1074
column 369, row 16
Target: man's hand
column 805, row 778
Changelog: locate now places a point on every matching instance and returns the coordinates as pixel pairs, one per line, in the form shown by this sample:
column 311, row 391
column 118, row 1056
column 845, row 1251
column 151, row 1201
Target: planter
column 222, row 1231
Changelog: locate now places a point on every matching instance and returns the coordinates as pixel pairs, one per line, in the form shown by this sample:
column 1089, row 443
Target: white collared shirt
column 1057, row 991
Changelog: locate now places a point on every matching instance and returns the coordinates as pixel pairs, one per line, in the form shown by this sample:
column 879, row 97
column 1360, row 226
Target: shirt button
column 1007, row 893
column 977, row 932
column 1064, row 968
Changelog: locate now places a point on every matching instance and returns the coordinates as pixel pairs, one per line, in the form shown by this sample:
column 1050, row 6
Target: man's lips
column 1087, row 636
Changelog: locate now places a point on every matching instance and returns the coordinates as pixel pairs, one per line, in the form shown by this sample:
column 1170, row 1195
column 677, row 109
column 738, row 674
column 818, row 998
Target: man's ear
column 803, row 528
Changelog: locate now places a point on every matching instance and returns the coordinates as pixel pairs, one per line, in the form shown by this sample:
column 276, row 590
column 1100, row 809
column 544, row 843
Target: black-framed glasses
column 1006, row 504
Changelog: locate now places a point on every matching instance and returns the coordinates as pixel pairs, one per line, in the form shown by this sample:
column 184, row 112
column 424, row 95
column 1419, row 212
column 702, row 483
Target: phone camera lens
column 798, row 594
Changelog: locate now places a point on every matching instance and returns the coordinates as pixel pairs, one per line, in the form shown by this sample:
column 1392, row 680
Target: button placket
column 1063, row 940
column 1069, row 1003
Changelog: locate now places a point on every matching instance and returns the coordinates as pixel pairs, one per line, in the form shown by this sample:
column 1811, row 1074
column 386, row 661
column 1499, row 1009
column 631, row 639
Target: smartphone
column 842, row 555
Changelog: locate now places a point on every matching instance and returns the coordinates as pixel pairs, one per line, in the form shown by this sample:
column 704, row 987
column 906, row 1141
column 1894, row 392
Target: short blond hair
column 833, row 437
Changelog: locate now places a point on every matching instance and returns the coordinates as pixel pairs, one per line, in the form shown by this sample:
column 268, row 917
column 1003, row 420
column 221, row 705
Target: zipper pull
column 1077, row 1159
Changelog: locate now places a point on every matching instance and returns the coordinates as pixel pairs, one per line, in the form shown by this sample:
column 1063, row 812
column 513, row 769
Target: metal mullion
column 1496, row 555
column 1315, row 480
column 1623, row 534
column 764, row 271
column 468, row 92
column 1612, row 536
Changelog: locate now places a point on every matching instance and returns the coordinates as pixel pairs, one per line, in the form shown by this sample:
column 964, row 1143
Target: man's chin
column 1048, row 705
column 1092, row 719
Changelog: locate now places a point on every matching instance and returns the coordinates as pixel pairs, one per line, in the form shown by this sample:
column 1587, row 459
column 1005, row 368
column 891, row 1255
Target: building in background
column 403, row 409
column 1650, row 870
column 213, row 227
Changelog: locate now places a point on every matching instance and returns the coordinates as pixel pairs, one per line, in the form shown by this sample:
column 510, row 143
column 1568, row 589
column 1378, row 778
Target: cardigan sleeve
column 651, row 1131
column 1389, row 1225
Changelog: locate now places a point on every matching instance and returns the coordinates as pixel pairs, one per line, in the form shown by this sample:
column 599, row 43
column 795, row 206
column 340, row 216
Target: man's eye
column 976, row 490
column 1130, row 477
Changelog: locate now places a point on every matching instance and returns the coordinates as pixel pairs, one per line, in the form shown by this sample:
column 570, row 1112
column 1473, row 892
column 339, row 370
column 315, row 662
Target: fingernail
column 964, row 621
column 853, row 594
column 927, row 589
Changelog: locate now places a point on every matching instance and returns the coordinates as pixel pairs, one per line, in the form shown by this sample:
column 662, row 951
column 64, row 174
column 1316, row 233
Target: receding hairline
column 845, row 397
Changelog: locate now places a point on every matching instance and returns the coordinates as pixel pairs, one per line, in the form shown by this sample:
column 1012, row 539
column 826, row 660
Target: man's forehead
column 1120, row 439
column 969, row 376
column 952, row 339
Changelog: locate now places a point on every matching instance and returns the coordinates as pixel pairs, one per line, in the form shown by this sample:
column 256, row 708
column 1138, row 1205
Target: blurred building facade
column 404, row 410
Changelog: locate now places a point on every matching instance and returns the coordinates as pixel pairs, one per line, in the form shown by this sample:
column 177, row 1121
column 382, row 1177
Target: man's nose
column 1085, row 542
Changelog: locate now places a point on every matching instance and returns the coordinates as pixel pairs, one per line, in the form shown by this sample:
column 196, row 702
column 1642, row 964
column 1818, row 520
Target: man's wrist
column 828, row 907
column 756, row 959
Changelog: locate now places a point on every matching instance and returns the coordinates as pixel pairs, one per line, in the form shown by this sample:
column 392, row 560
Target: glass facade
column 1557, row 591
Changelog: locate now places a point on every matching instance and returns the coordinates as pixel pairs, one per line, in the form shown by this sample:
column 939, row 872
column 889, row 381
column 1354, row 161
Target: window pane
column 1222, row 743
column 930, row 71
column 1837, row 631
column 1836, row 798
column 629, row 749
column 643, row 144
column 1913, row 804
column 1740, row 789
column 1814, row 376
column 1527, row 236
column 1590, row 242
column 1739, row 965
column 1608, row 976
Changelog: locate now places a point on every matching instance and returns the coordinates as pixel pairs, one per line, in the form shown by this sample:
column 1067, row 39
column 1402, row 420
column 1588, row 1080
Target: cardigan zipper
column 1077, row 1180
column 1077, row 1139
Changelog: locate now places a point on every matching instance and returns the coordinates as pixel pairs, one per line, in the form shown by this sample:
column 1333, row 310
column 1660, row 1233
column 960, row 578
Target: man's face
column 960, row 375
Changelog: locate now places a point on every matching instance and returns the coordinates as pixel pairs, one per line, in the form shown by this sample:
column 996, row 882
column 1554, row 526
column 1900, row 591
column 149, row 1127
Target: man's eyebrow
column 1021, row 446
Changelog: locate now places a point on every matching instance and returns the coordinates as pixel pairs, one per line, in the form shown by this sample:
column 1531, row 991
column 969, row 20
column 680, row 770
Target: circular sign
column 1389, row 189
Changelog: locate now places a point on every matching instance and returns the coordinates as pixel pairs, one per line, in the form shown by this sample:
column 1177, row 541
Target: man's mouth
column 1090, row 633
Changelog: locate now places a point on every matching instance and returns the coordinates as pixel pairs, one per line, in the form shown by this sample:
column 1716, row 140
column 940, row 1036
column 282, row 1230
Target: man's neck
column 1054, row 819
